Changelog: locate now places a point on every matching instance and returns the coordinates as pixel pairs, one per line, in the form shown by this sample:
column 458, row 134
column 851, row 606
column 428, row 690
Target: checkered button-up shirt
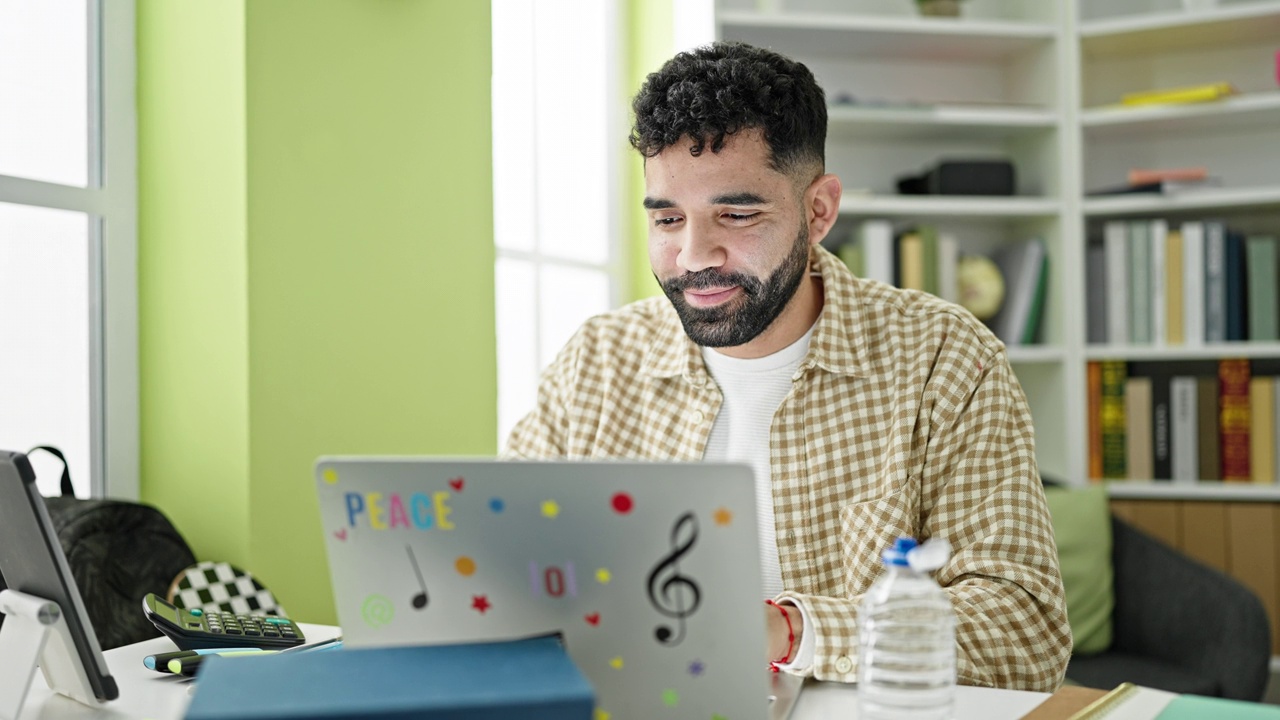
column 904, row 418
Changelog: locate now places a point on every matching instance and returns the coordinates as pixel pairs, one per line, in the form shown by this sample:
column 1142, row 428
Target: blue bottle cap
column 897, row 555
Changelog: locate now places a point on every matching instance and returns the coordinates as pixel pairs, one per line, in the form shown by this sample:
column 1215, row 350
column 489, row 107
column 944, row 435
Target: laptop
column 649, row 571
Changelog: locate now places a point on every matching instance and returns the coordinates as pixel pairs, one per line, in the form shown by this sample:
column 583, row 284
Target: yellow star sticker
column 330, row 476
column 616, row 663
column 723, row 516
column 550, row 508
column 602, row 715
column 603, row 576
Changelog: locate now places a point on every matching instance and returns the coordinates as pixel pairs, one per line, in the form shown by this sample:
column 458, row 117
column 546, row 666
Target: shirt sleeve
column 802, row 662
column 543, row 433
column 980, row 490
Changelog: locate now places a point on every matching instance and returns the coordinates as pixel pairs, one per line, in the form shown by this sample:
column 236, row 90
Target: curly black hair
column 714, row 91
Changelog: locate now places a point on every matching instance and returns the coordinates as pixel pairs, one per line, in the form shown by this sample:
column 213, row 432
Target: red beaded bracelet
column 791, row 636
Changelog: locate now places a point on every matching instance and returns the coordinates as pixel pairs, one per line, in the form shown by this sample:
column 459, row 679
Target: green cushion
column 1082, row 528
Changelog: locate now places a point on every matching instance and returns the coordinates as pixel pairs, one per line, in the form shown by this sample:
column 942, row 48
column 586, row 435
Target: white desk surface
column 148, row 695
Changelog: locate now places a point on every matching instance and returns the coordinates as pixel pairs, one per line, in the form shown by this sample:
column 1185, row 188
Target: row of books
column 1006, row 290
column 1153, row 283
column 1184, row 421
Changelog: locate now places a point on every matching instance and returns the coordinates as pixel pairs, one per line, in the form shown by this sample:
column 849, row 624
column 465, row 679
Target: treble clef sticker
column 672, row 593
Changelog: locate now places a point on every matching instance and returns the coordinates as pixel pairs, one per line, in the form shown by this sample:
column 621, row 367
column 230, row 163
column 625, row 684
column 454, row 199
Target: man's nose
column 700, row 248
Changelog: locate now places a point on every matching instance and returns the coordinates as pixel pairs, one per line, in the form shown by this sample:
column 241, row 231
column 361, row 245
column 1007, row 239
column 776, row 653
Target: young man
column 867, row 412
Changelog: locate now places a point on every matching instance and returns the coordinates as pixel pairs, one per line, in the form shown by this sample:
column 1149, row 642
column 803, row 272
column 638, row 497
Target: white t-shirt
column 753, row 389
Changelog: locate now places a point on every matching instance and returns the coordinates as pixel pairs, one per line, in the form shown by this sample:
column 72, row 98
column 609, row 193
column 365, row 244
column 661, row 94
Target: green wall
column 329, row 288
column 649, row 26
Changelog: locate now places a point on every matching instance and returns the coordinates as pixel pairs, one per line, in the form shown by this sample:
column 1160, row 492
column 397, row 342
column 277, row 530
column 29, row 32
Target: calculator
column 197, row 629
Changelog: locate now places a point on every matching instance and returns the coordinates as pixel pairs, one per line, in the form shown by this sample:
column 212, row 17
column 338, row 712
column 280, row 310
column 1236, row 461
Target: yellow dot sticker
column 330, row 476
column 603, row 576
column 602, row 715
column 465, row 566
column 616, row 663
column 551, row 508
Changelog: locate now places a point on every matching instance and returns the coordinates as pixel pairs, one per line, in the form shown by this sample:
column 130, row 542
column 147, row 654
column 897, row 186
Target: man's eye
column 740, row 217
column 666, row 221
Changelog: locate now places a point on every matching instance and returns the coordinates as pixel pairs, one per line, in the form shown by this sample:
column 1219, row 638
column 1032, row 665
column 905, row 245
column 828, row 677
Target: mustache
column 709, row 278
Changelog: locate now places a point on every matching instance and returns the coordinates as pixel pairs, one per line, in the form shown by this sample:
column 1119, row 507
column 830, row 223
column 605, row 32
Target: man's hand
column 783, row 641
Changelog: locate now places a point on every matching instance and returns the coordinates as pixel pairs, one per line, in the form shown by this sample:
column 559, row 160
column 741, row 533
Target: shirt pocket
column 867, row 529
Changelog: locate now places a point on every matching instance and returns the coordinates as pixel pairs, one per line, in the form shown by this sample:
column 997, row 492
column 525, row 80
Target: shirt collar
column 838, row 344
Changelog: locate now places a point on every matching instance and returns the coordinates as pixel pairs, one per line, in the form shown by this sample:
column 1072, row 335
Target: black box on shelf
column 961, row 177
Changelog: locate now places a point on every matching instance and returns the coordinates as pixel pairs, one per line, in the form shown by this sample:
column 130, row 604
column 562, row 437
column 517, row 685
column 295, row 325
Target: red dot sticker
column 622, row 503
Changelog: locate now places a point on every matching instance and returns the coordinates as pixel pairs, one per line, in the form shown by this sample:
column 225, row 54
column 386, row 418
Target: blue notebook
column 533, row 679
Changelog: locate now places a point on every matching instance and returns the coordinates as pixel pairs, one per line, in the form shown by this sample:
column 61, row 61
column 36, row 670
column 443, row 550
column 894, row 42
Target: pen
column 330, row 644
column 160, row 661
column 189, row 665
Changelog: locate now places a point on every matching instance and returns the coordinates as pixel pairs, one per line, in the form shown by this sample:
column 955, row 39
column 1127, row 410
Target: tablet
column 31, row 561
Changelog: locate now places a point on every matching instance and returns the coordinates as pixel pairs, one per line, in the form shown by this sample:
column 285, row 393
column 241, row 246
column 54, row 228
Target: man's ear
column 822, row 206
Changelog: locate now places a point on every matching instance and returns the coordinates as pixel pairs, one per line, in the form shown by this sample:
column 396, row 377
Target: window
column 559, row 134
column 68, row 328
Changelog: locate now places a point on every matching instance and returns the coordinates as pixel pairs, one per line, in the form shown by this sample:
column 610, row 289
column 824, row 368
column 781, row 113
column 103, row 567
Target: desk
column 145, row 694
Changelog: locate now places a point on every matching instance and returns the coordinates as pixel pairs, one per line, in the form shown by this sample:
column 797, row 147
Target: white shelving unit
column 1040, row 84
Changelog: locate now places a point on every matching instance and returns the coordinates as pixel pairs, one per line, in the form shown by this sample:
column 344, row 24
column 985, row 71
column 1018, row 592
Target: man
column 867, row 412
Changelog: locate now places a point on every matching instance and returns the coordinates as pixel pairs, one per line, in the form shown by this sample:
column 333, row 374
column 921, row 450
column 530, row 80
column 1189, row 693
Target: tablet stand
column 34, row 634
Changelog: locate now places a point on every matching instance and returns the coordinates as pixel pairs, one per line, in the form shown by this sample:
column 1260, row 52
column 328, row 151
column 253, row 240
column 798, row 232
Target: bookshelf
column 1040, row 84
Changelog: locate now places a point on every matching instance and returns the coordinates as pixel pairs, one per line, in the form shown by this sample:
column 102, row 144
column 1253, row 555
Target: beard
column 741, row 319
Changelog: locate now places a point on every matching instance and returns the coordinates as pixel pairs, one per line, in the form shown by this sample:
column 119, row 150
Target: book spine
column 1140, row 283
column 1261, row 262
column 1184, row 442
column 1157, row 231
column 1275, row 424
column 911, row 261
column 1208, row 414
column 1114, row 454
column 1237, row 289
column 1096, row 297
column 1174, row 291
column 1234, row 419
column 948, row 263
column 1161, row 428
column 1039, row 269
column 1193, row 282
column 1192, row 94
column 1137, row 413
column 1116, row 241
column 929, row 259
column 1261, row 431
column 1094, row 374
column 876, row 237
column 1215, row 282
column 851, row 254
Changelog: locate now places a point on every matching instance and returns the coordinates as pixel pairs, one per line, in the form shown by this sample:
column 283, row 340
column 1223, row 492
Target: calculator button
column 234, row 631
column 252, row 631
column 197, row 612
column 215, row 630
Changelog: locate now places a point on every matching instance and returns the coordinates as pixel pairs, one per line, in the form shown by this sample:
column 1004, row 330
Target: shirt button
column 698, row 417
column 844, row 665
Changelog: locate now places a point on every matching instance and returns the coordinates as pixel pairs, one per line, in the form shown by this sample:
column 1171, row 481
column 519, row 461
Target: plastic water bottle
column 907, row 638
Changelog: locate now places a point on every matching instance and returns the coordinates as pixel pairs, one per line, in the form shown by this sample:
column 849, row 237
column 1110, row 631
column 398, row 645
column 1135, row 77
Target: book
column 1138, row 439
column 1156, row 187
column 929, row 258
column 1275, row 425
column 1193, row 282
column 948, row 264
column 1261, row 267
column 1024, row 266
column 1175, row 324
column 1180, row 95
column 1215, row 282
column 1234, row 418
column 875, row 237
column 1208, row 414
column 1096, row 294
column 1262, row 434
column 1141, row 176
column 531, row 678
column 910, row 267
column 1115, row 240
column 1112, row 419
column 1161, row 428
column 1136, row 702
column 1157, row 236
column 1140, row 282
column 1184, row 441
column 1093, row 372
column 1237, row 288
column 850, row 254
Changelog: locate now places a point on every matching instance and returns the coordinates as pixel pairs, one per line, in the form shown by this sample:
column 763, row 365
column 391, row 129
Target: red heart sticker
column 456, row 484
column 593, row 619
column 341, row 534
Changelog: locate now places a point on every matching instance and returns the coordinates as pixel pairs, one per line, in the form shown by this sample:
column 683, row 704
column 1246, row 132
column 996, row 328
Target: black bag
column 118, row 552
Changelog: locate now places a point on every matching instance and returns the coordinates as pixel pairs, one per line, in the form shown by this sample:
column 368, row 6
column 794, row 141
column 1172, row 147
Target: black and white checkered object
column 224, row 587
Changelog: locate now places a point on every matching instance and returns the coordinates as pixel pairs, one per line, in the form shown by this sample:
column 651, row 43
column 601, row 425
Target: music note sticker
column 671, row 592
column 420, row 600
